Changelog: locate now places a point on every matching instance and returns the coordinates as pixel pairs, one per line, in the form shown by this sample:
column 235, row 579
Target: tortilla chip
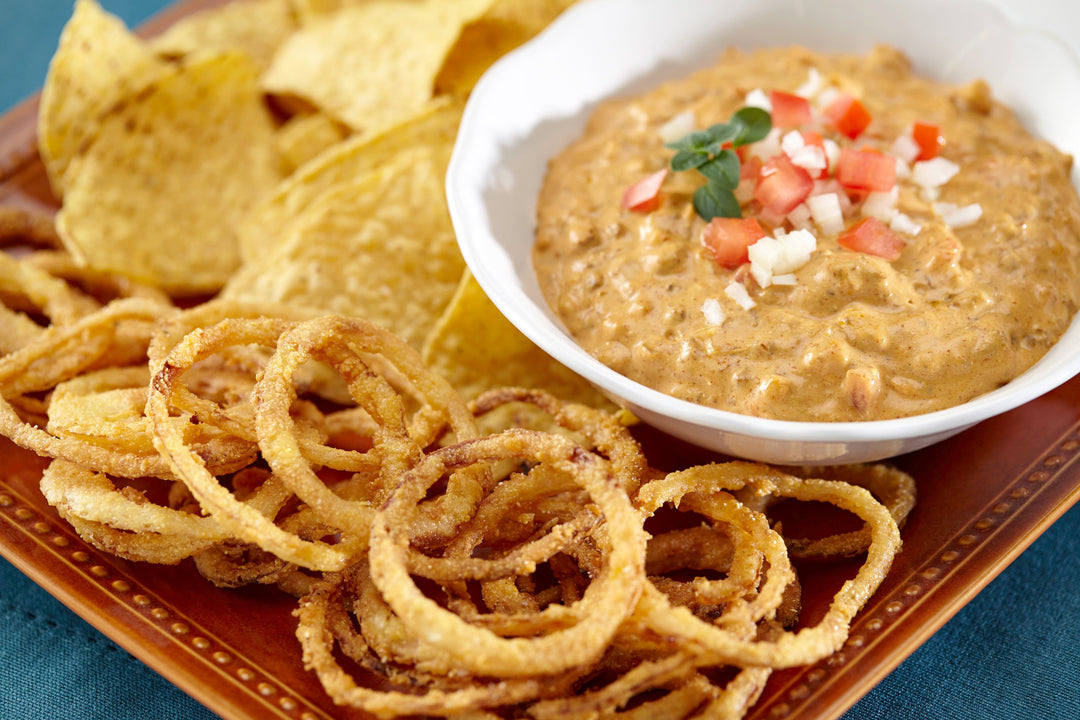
column 506, row 25
column 158, row 193
column 303, row 137
column 254, row 27
column 380, row 247
column 477, row 349
column 371, row 65
column 355, row 157
column 98, row 62
column 308, row 10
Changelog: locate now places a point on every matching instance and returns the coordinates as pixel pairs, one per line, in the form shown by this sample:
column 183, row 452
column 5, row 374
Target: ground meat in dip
column 987, row 236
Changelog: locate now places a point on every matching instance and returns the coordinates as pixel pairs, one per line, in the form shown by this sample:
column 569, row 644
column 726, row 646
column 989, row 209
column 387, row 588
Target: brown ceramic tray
column 984, row 496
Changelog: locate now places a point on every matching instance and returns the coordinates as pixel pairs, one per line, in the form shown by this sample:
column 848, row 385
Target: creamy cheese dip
column 985, row 283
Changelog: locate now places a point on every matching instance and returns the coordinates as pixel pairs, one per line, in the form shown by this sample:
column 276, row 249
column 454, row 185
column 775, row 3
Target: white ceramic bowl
column 536, row 100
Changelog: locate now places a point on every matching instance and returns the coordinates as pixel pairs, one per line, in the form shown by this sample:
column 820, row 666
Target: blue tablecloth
column 1013, row 653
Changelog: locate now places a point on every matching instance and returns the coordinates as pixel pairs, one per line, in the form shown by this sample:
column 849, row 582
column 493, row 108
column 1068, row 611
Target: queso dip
column 932, row 255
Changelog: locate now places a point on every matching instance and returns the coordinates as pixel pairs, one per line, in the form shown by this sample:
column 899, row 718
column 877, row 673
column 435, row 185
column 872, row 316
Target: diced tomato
column 929, row 139
column 644, row 195
column 848, row 115
column 866, row 170
column 873, row 237
column 789, row 110
column 740, row 151
column 810, row 137
column 782, row 185
column 728, row 239
column 750, row 167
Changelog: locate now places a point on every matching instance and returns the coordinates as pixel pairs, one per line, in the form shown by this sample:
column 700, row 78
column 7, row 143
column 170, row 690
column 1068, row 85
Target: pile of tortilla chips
column 290, row 151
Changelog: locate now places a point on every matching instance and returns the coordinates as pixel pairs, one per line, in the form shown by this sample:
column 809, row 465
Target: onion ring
column 789, row 649
column 609, row 599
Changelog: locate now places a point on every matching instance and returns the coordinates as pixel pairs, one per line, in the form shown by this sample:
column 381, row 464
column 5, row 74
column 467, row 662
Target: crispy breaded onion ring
column 244, row 522
column 810, row 644
column 26, row 287
column 61, row 353
column 124, row 522
column 102, row 285
column 320, row 612
column 344, row 344
column 602, row 431
column 20, row 225
column 893, row 488
column 64, row 350
column 607, row 601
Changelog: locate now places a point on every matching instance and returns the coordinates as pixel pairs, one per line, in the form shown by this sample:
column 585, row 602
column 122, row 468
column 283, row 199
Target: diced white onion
column 781, row 255
column 903, row 169
column 832, row 185
column 905, row 148
column 765, row 252
column 808, row 157
column 768, row 146
column 738, row 293
column 792, row 142
column 901, row 223
column 832, row 152
column 785, row 279
column 933, row 173
column 764, row 255
column 812, row 86
column 958, row 217
column 714, row 314
column 826, row 96
column 826, row 211
column 761, row 274
column 800, row 216
column 758, row 98
column 881, row 205
column 678, row 127
column 798, row 246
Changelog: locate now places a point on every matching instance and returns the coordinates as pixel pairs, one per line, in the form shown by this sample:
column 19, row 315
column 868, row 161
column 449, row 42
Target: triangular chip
column 353, row 158
column 506, row 25
column 371, row 65
column 380, row 247
column 308, row 10
column 97, row 63
column 254, row 27
column 477, row 349
column 158, row 194
column 304, row 137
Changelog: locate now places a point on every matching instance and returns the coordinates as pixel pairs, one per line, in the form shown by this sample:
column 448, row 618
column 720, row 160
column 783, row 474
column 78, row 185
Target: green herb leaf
column 688, row 160
column 696, row 141
column 712, row 201
column 754, row 124
column 721, row 133
column 722, row 170
column 704, row 151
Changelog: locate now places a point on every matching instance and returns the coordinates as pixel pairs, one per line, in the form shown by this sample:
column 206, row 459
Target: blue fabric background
column 1011, row 654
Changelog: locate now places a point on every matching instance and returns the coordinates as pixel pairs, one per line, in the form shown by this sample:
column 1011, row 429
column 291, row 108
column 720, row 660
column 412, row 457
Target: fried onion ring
column 808, row 645
column 608, row 600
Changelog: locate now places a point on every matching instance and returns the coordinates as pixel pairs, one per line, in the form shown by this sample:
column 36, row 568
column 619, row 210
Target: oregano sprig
column 704, row 151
